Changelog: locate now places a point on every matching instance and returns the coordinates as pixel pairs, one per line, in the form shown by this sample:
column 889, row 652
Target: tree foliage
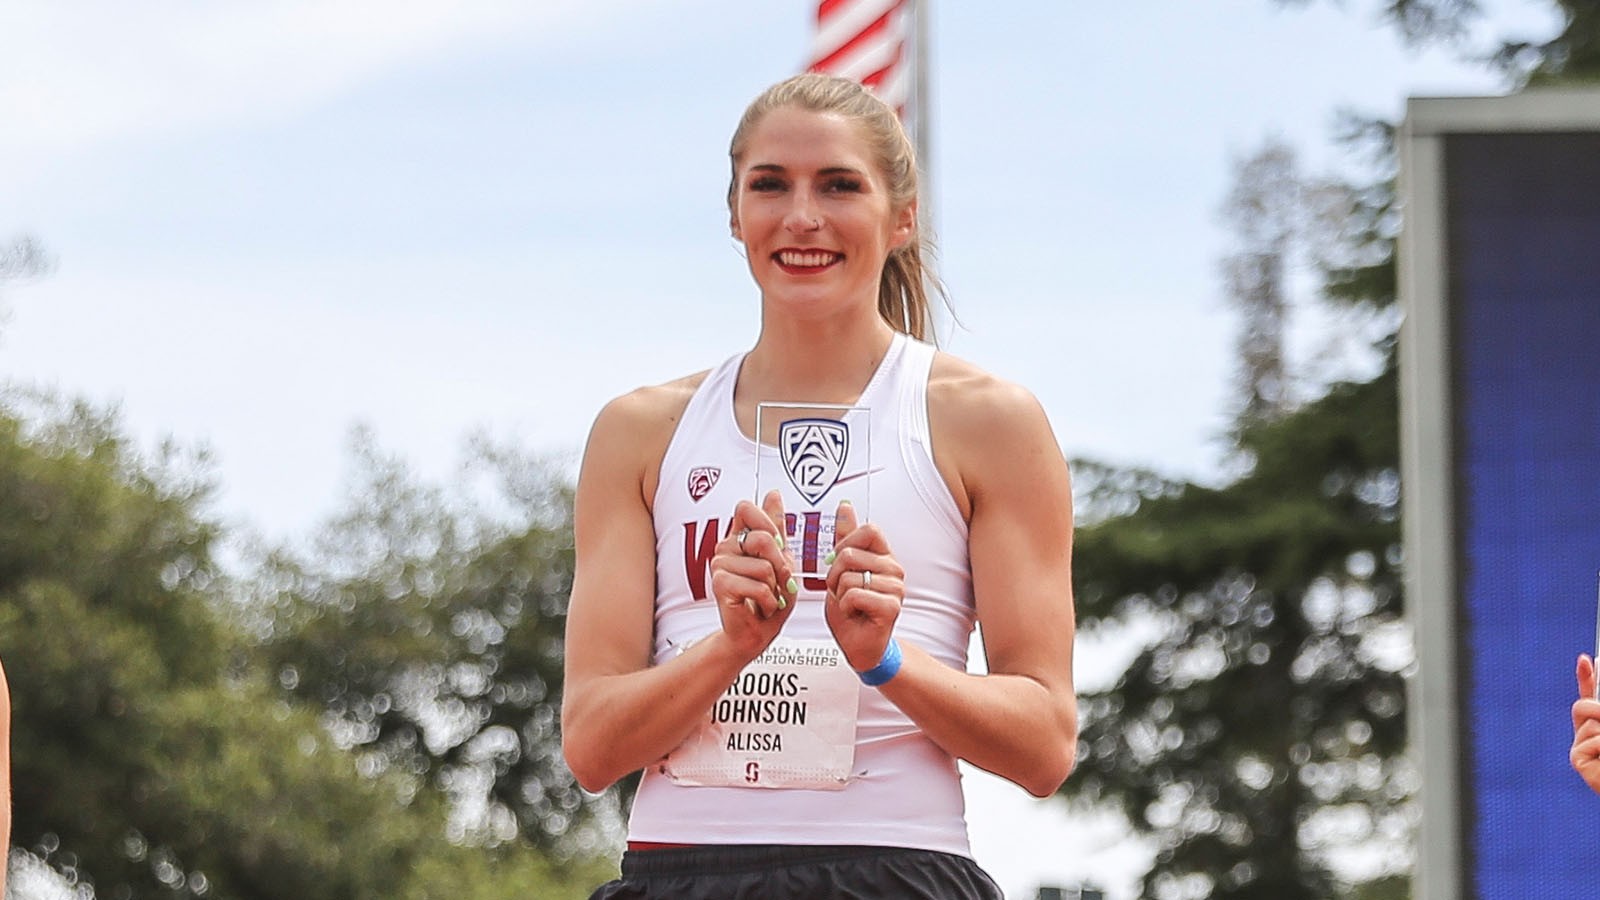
column 431, row 631
column 1259, row 732
column 1572, row 54
column 24, row 256
column 1423, row 21
column 21, row 258
column 1260, row 728
column 1263, row 212
column 152, row 755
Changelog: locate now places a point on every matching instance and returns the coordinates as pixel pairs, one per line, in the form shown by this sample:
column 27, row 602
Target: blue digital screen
column 1523, row 243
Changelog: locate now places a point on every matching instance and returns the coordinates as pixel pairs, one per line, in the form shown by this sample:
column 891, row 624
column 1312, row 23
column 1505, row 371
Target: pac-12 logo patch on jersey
column 701, row 480
column 813, row 452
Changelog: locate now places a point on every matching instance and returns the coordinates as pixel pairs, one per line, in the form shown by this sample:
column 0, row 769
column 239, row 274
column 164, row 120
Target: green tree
column 1572, row 54
column 1260, row 728
column 1263, row 211
column 429, row 623
column 152, row 758
column 1258, row 731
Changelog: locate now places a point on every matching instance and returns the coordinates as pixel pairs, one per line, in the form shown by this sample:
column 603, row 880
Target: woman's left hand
column 866, row 586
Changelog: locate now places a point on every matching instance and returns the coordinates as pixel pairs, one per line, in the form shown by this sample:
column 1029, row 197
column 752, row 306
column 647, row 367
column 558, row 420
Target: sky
column 274, row 222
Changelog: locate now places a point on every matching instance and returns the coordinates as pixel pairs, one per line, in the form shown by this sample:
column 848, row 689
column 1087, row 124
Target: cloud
column 81, row 75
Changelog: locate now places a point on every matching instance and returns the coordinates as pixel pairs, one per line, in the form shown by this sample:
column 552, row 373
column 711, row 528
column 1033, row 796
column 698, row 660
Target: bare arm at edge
column 1585, row 753
column 5, row 777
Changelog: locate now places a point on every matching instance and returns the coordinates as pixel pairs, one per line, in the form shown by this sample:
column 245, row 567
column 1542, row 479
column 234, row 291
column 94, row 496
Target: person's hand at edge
column 1585, row 753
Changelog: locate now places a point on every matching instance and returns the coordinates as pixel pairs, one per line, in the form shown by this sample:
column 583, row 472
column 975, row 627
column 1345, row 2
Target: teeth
column 810, row 258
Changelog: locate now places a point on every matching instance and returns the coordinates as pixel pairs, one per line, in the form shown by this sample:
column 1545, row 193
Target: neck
column 819, row 362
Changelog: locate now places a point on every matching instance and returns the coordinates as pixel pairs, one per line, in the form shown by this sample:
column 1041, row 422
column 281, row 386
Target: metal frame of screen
column 1428, row 463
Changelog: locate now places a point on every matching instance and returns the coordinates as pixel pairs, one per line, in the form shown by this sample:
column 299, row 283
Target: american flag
column 867, row 40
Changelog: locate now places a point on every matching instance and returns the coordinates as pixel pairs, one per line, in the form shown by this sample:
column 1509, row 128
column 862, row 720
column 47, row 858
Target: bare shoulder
column 968, row 402
column 989, row 435
column 631, row 433
column 648, row 410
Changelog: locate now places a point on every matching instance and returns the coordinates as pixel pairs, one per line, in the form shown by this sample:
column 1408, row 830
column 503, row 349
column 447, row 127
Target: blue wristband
column 886, row 668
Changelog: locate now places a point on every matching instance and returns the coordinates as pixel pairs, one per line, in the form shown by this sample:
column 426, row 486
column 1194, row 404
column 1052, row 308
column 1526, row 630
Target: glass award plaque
column 814, row 455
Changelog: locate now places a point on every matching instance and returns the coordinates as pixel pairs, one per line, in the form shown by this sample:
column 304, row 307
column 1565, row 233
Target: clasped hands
column 755, row 582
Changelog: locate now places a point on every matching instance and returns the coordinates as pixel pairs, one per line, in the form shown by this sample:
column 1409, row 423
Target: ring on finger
column 866, row 580
column 742, row 535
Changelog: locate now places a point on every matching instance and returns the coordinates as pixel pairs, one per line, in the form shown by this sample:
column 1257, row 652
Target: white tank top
column 905, row 791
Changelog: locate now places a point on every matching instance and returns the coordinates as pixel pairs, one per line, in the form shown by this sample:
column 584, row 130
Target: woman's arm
column 619, row 713
column 1020, row 720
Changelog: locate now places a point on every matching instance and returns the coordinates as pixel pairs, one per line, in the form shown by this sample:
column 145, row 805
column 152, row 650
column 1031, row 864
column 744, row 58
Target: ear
column 733, row 226
column 905, row 226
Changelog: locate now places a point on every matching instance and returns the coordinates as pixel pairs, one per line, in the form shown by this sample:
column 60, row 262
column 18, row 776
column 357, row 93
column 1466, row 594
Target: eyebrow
column 830, row 170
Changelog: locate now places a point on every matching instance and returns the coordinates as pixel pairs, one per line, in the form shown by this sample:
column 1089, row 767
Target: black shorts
column 783, row 872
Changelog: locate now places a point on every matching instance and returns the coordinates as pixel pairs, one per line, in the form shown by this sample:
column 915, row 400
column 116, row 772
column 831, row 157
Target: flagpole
column 921, row 118
column 922, row 136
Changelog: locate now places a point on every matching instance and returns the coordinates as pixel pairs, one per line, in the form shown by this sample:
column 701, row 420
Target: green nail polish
column 828, row 560
column 782, row 603
column 793, row 586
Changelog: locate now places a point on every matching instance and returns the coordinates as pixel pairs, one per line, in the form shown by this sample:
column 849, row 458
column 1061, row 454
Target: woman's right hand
column 752, row 575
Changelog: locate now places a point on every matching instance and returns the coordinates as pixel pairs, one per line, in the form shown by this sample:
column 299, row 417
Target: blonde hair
column 903, row 289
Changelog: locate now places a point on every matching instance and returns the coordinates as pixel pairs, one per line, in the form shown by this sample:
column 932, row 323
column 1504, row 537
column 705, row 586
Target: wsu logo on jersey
column 813, row 452
column 701, row 480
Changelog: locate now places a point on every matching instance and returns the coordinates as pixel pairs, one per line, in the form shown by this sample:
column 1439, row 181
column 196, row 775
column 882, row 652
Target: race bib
column 787, row 721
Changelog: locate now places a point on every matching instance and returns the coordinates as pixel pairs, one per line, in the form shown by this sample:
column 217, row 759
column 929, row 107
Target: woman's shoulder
column 981, row 426
column 653, row 405
column 632, row 431
column 974, row 396
column 652, row 408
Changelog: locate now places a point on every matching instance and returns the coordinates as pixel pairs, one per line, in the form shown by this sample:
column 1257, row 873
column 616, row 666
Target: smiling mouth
column 807, row 259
